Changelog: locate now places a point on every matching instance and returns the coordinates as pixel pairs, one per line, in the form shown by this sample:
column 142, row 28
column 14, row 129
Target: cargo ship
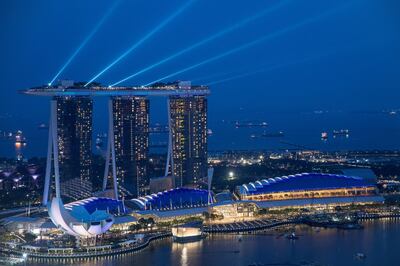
column 19, row 138
column 250, row 124
column 341, row 131
column 273, row 134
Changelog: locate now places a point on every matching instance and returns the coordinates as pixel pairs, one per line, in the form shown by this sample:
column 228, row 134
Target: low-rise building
column 306, row 186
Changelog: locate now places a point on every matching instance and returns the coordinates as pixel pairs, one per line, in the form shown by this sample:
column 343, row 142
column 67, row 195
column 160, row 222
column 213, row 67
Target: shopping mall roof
column 125, row 219
column 301, row 182
column 172, row 214
column 318, row 201
column 93, row 203
column 177, row 198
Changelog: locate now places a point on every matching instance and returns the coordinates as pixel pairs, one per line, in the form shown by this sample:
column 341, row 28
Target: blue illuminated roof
column 299, row 182
column 92, row 204
column 174, row 199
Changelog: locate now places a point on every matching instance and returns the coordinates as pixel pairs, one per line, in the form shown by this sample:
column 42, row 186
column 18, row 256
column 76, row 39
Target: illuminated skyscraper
column 70, row 137
column 74, row 131
column 131, row 137
column 188, row 120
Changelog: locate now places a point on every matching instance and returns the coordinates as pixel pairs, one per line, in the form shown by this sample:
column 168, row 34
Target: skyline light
column 254, row 42
column 40, row 38
column 214, row 36
column 264, row 69
column 145, row 38
column 85, row 41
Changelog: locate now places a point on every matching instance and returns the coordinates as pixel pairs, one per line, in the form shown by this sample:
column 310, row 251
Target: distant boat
column 19, row 138
column 292, row 236
column 250, row 124
column 341, row 132
column 43, row 126
column 209, row 132
column 324, row 135
column 273, row 134
column 360, row 256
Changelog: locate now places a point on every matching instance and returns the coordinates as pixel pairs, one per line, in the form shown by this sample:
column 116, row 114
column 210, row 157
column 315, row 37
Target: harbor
column 314, row 246
column 190, row 233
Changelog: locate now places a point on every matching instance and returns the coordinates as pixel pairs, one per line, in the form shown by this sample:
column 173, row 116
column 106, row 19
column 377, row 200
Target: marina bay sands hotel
column 69, row 155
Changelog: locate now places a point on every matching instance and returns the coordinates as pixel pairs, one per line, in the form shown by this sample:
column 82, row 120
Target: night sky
column 320, row 54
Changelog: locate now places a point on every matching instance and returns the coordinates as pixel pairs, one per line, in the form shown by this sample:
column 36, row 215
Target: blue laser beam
column 253, row 43
column 206, row 40
column 277, row 66
column 85, row 41
column 211, row 76
column 141, row 41
column 250, row 73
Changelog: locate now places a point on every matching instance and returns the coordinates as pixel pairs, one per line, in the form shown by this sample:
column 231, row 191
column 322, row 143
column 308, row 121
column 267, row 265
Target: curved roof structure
column 174, row 199
column 78, row 221
column 301, row 182
column 93, row 204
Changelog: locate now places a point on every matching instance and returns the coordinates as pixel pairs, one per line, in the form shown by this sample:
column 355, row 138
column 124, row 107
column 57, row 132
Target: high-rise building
column 188, row 115
column 131, row 139
column 74, row 130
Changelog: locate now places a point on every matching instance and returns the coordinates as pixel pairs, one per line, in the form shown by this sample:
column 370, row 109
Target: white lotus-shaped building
column 78, row 221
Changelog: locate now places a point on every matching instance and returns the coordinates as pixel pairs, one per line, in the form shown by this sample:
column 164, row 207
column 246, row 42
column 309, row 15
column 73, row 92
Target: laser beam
column 206, row 40
column 276, row 66
column 85, row 41
column 211, row 76
column 141, row 41
column 267, row 69
column 252, row 43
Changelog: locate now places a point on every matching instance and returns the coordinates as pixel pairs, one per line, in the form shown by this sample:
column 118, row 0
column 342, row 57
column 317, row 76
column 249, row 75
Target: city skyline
column 127, row 149
column 199, row 132
column 332, row 65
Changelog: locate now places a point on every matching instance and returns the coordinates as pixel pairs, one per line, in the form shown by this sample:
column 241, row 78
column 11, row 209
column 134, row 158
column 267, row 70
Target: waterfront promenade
column 76, row 253
column 253, row 226
column 264, row 224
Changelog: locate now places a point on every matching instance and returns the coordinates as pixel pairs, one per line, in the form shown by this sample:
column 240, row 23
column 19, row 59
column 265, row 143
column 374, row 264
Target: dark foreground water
column 379, row 241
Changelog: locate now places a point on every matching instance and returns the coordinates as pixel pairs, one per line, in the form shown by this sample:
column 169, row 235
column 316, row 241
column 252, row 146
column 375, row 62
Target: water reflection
column 187, row 250
column 184, row 259
column 378, row 241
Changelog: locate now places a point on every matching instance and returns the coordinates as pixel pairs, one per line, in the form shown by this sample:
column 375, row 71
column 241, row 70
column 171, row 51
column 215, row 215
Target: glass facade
column 131, row 137
column 74, row 129
column 189, row 138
